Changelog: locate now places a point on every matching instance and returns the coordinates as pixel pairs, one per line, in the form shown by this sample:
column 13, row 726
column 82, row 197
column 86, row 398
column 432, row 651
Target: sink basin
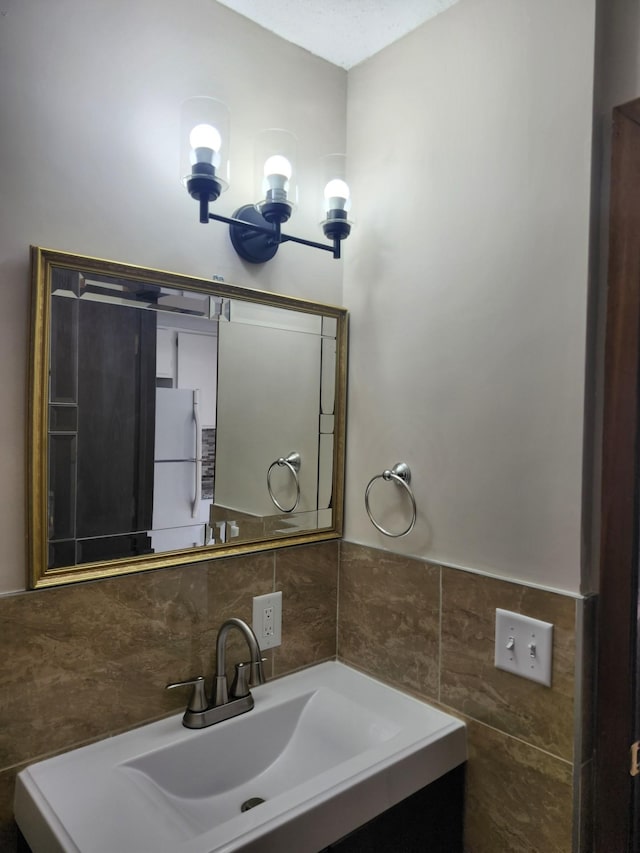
column 279, row 748
column 322, row 752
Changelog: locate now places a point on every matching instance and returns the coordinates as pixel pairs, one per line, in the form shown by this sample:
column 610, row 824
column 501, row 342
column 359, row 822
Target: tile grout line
column 578, row 733
column 274, row 583
column 339, row 573
column 457, row 713
column 440, row 638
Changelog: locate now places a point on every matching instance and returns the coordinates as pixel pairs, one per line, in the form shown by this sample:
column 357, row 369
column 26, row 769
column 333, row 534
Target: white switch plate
column 267, row 619
column 524, row 646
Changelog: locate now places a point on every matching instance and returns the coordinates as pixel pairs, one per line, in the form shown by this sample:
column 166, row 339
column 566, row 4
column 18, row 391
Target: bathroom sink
column 323, row 751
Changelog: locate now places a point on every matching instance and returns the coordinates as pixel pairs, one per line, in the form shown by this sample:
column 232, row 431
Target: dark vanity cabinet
column 101, row 429
column 429, row 821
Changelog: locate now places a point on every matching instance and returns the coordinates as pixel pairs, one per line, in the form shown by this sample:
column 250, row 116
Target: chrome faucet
column 225, row 703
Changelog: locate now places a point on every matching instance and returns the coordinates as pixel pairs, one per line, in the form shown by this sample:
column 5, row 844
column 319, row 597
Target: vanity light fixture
column 254, row 229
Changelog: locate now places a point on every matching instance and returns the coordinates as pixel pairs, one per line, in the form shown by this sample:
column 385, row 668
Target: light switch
column 524, row 646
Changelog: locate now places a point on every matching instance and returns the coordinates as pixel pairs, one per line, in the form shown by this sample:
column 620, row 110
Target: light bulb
column 336, row 189
column 205, row 141
column 277, row 165
column 205, row 136
column 277, row 171
column 336, row 194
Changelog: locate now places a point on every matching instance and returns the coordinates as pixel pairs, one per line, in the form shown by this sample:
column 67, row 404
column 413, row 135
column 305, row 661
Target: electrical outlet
column 267, row 619
column 524, row 646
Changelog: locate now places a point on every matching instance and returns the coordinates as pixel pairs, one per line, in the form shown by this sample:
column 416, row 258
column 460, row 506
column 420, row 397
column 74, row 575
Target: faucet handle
column 256, row 672
column 248, row 674
column 240, row 683
column 198, row 699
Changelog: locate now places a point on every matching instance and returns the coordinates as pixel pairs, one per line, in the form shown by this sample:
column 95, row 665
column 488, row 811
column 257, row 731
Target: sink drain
column 251, row 803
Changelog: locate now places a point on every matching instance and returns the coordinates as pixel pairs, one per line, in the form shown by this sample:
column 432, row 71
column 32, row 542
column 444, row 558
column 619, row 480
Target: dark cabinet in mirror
column 173, row 419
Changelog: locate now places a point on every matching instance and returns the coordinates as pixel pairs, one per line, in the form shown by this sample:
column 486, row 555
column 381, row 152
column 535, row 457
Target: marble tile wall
column 84, row 661
column 430, row 630
column 81, row 662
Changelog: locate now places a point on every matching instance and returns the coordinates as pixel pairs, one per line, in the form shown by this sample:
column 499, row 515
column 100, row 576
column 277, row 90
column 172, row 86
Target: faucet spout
column 222, row 706
column 256, row 672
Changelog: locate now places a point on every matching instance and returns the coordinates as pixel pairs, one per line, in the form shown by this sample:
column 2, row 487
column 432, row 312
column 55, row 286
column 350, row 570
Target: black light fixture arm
column 243, row 231
column 335, row 248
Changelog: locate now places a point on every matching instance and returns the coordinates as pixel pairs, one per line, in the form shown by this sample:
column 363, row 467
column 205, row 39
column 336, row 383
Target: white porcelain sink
column 327, row 749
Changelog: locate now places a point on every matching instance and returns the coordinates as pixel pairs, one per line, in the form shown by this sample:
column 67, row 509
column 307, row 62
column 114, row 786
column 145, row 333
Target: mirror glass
column 175, row 419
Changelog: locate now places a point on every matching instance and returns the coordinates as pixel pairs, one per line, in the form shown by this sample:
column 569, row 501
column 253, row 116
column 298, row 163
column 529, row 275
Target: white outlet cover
column 515, row 634
column 260, row 602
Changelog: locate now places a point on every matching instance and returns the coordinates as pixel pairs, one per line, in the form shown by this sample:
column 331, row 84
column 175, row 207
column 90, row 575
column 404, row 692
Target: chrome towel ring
column 401, row 476
column 292, row 462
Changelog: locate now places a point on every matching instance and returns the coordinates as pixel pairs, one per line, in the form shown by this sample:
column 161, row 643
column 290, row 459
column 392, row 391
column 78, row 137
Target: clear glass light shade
column 204, row 138
column 275, row 166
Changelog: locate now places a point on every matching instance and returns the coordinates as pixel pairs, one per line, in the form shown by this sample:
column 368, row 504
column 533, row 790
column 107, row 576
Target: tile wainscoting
column 81, row 662
column 430, row 630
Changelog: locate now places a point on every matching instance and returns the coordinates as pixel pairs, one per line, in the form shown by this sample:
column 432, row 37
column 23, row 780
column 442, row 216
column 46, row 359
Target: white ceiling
column 342, row 31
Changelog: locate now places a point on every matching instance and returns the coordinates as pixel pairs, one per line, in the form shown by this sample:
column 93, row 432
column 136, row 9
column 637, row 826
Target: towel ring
column 292, row 462
column 401, row 475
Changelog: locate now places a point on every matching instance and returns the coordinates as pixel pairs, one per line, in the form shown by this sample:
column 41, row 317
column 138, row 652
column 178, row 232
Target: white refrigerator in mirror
column 179, row 513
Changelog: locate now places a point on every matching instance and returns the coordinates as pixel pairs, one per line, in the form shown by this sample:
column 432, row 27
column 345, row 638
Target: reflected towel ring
column 401, row 475
column 292, row 462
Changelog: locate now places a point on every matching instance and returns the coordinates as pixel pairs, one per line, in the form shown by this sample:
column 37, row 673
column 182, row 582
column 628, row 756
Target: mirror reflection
column 177, row 417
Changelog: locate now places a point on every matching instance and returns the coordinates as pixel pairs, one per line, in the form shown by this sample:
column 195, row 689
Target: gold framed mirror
column 174, row 419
